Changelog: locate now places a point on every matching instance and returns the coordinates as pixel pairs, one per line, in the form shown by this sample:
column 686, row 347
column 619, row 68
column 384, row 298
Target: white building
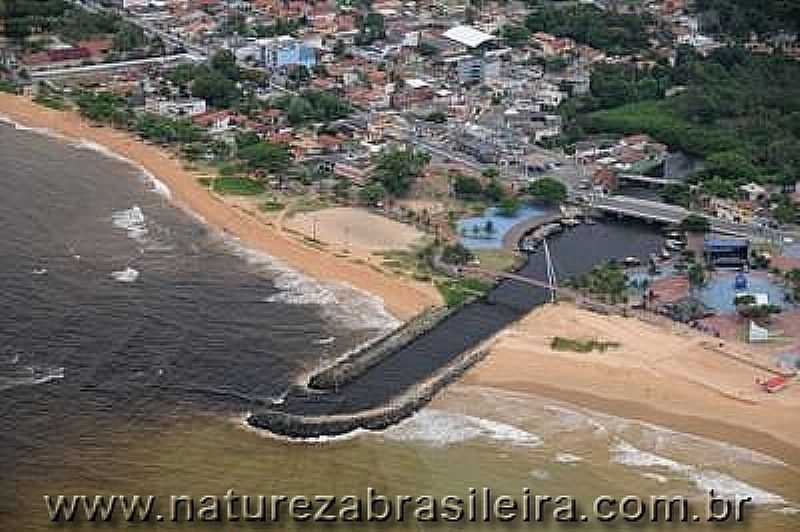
column 175, row 108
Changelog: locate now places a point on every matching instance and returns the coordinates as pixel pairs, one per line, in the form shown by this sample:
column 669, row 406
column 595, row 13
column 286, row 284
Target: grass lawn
column 237, row 186
column 457, row 291
column 498, row 260
column 581, row 346
column 271, row 205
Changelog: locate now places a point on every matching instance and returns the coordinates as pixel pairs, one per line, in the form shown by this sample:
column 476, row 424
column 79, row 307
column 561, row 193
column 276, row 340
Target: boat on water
column 665, row 255
column 631, row 262
column 570, row 222
column 674, row 245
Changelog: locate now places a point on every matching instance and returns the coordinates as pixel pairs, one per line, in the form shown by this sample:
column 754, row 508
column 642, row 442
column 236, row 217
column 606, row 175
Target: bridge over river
column 672, row 214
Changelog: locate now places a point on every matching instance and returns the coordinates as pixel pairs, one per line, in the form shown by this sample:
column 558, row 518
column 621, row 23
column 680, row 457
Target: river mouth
column 394, row 388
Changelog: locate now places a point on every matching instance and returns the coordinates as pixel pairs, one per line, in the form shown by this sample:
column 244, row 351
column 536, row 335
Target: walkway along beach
column 460, row 338
column 403, row 298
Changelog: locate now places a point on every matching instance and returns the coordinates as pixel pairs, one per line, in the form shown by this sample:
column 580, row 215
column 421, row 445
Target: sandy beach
column 355, row 229
column 662, row 374
column 403, row 298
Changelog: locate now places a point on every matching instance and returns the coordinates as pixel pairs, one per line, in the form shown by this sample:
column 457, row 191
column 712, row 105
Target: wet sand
column 662, row 374
column 656, row 375
column 403, row 297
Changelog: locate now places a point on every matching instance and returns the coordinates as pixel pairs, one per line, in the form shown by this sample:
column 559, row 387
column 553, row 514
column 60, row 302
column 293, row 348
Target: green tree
column 515, row 35
column 266, row 156
column 466, row 186
column 494, row 191
column 696, row 274
column 548, row 189
column 397, row 169
column 696, row 223
column 373, row 193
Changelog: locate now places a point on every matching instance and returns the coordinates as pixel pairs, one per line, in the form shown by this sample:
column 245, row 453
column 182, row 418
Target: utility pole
column 551, row 274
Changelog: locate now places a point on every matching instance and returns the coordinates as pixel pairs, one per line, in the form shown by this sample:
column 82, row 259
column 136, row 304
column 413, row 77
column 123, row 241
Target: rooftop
column 468, row 36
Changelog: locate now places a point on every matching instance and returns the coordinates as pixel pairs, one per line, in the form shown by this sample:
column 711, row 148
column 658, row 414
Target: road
column 90, row 69
column 662, row 212
column 199, row 53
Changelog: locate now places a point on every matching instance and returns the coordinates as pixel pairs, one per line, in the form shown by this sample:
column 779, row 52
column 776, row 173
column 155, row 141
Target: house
column 605, row 178
column 754, row 192
column 175, row 108
column 468, row 37
column 553, row 46
column 357, row 175
column 730, row 210
column 278, row 52
column 723, row 252
column 215, row 122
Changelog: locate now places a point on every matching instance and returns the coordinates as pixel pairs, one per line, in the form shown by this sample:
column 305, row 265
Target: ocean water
column 133, row 341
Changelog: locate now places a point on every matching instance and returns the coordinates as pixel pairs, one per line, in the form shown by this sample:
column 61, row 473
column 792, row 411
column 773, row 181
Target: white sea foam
column 540, row 474
column 154, row 183
column 661, row 479
column 724, row 485
column 567, row 458
column 132, row 221
column 441, row 428
column 663, row 438
column 149, row 179
column 339, row 301
column 353, row 307
column 35, row 375
column 241, row 421
column 128, row 275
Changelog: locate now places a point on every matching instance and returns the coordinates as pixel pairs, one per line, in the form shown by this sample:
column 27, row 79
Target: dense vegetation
column 313, row 106
column 615, row 33
column 26, row 18
column 548, row 190
column 23, row 18
column 397, row 169
column 739, row 111
column 741, row 17
column 607, row 282
column 216, row 82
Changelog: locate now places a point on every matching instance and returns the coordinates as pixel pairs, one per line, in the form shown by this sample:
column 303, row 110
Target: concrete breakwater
column 349, row 367
column 308, row 427
column 400, row 373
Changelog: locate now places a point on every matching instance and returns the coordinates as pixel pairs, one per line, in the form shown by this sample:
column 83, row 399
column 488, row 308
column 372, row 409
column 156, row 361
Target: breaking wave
column 441, row 428
column 31, row 376
column 340, row 302
column 128, row 275
column 148, row 178
column 624, row 453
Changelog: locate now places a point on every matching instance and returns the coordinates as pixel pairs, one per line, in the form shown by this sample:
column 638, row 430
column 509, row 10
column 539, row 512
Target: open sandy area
column 403, row 297
column 356, row 229
column 660, row 373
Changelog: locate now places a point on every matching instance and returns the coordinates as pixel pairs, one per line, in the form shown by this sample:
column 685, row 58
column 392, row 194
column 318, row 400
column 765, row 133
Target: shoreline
column 658, row 375
column 403, row 298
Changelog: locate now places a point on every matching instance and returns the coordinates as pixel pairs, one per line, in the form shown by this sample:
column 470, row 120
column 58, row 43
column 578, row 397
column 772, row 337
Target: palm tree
column 697, row 275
